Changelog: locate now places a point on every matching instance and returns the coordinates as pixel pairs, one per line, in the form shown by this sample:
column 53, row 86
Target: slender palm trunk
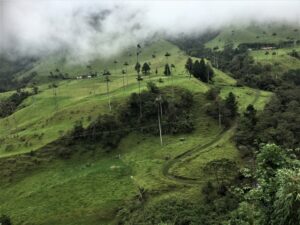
column 124, row 82
column 14, row 117
column 108, row 95
column 140, row 102
column 55, row 99
column 159, row 124
column 126, row 76
column 208, row 77
column 219, row 115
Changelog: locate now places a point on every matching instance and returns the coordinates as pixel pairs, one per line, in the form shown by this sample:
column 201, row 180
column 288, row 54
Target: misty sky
column 92, row 28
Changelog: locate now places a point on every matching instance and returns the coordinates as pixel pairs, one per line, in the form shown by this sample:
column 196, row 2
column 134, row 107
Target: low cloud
column 88, row 29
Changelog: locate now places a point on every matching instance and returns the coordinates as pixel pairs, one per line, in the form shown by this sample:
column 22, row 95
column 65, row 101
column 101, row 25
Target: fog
column 87, row 29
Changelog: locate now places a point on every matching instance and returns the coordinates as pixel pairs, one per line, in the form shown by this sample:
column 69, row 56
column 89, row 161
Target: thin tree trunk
column 208, row 77
column 219, row 116
column 126, row 76
column 159, row 126
column 124, row 82
column 140, row 99
column 108, row 95
column 161, row 112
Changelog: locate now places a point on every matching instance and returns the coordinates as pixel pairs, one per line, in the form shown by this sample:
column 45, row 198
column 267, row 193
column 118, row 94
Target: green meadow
column 91, row 186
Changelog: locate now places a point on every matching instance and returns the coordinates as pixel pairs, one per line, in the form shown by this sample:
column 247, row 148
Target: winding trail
column 196, row 151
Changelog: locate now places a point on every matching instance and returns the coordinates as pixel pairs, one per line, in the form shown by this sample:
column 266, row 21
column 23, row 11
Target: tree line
column 200, row 70
column 173, row 113
column 10, row 104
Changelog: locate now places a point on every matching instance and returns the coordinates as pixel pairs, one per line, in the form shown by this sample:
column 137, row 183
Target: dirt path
column 196, row 151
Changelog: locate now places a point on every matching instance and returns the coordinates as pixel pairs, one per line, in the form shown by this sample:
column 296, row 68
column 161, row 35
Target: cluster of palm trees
column 145, row 69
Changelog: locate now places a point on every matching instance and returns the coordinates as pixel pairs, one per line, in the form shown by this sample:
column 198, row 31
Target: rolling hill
column 255, row 33
column 90, row 187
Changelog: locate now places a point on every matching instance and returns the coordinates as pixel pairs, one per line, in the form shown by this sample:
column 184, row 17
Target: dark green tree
column 221, row 169
column 167, row 71
column 232, row 105
column 5, row 220
column 202, row 71
column 146, row 69
column 189, row 66
column 139, row 78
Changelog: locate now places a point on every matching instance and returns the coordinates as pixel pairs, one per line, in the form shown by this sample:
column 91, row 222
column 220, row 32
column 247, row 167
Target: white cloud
column 89, row 28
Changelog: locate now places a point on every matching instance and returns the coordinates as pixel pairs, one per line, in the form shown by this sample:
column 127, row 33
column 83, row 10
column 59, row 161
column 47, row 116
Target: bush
column 5, row 220
column 169, row 211
column 175, row 111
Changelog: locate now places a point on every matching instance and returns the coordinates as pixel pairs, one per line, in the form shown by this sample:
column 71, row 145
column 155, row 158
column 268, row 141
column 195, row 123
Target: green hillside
column 91, row 186
column 279, row 59
column 268, row 33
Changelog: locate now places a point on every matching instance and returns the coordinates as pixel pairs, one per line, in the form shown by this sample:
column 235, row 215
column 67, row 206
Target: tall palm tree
column 158, row 100
column 172, row 79
column 54, row 91
column 139, row 78
column 167, row 55
column 126, row 65
column 218, row 100
column 106, row 75
column 115, row 62
column 138, row 52
column 123, row 73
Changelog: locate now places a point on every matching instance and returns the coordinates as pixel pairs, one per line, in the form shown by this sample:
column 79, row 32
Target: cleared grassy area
column 84, row 190
column 191, row 167
column 280, row 62
column 245, row 96
column 253, row 34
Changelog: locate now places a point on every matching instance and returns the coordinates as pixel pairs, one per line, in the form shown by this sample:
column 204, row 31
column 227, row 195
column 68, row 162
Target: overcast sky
column 90, row 28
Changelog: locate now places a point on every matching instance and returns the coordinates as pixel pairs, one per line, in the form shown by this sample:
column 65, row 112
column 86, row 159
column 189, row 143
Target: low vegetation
column 141, row 113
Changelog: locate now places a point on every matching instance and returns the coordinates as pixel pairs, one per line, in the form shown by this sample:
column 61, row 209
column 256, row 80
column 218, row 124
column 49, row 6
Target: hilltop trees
column 200, row 70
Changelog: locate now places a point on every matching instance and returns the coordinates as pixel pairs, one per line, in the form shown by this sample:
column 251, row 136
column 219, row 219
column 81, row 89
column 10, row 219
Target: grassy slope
column 281, row 62
column 249, row 35
column 88, row 188
column 77, row 99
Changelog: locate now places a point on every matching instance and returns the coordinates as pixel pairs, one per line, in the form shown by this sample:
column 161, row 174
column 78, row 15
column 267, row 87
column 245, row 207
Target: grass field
column 43, row 118
column 255, row 33
column 281, row 62
column 92, row 185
